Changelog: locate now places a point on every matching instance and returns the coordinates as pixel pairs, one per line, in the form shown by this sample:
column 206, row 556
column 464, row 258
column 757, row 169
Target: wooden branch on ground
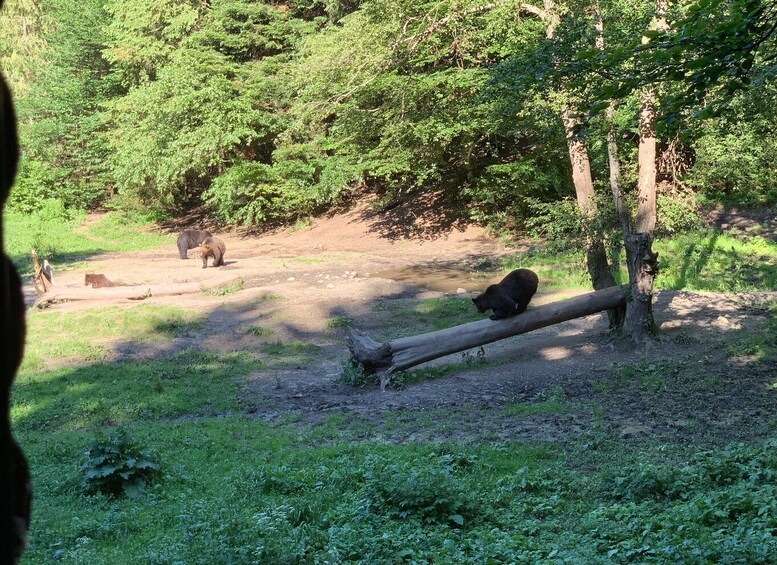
column 42, row 275
column 138, row 292
column 403, row 353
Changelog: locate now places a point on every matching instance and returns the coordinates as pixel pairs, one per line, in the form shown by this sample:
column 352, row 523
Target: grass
column 427, row 315
column 236, row 489
column 259, row 331
column 281, row 354
column 703, row 261
column 227, row 288
column 106, row 394
column 81, row 336
column 63, row 237
column 339, row 322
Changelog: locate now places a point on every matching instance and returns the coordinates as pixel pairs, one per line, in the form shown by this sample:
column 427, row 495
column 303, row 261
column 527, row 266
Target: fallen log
column 403, row 353
column 138, row 292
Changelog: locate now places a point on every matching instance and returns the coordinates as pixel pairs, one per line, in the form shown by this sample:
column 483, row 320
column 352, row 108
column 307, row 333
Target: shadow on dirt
column 424, row 216
column 743, row 221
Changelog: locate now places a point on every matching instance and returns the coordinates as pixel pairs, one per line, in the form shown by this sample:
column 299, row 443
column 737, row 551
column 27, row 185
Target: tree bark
column 643, row 268
column 403, row 353
column 642, row 260
column 582, row 179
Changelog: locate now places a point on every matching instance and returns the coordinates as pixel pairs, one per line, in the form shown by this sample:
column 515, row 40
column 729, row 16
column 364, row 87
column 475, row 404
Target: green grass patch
column 190, row 383
column 712, row 261
column 259, row 331
column 703, row 261
column 80, row 336
column 427, row 315
column 337, row 322
column 761, row 345
column 60, row 236
column 555, row 269
column 233, row 489
column 652, row 377
column 226, row 288
column 295, row 352
column 545, row 408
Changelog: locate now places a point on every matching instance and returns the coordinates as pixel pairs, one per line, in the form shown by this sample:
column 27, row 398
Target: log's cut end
column 372, row 356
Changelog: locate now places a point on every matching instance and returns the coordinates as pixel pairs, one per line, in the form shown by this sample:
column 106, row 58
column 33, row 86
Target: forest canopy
column 266, row 112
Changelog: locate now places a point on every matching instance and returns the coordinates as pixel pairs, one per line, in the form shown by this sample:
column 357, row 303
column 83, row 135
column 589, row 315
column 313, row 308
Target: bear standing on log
column 213, row 247
column 509, row 297
column 189, row 239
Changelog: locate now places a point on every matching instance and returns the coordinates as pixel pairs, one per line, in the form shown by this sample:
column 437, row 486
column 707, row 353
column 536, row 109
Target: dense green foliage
column 117, row 466
column 268, row 112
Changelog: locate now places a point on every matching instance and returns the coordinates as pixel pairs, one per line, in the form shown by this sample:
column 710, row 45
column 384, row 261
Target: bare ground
column 301, row 286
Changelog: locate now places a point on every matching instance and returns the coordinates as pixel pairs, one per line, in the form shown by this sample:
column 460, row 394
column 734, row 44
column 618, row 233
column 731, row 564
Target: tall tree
column 641, row 259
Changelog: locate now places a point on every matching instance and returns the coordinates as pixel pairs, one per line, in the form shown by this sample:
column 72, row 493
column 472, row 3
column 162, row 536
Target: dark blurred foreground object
column 15, row 489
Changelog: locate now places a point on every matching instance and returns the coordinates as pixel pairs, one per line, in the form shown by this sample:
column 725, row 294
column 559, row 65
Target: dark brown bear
column 189, row 239
column 510, row 296
column 213, row 247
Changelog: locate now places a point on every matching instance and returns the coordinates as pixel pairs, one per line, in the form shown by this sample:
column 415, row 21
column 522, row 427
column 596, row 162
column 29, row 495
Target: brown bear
column 212, row 247
column 97, row 281
column 509, row 297
column 189, row 239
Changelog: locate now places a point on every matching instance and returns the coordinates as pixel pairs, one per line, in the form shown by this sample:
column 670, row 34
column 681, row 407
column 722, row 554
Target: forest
column 267, row 112
column 370, row 167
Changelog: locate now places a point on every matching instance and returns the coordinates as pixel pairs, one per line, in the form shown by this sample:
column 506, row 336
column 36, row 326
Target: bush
column 353, row 374
column 429, row 492
column 678, row 211
column 117, row 466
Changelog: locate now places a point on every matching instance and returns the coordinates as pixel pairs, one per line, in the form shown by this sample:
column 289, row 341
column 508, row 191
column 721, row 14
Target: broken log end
column 370, row 354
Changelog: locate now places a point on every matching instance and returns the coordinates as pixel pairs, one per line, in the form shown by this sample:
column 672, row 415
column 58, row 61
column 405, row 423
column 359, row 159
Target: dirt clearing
column 303, row 287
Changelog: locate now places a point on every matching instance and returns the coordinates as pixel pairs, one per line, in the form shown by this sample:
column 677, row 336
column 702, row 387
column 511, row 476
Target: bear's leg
column 183, row 248
column 504, row 309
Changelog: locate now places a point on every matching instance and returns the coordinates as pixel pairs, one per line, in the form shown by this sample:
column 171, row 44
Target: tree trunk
column 406, row 352
column 117, row 293
column 642, row 261
column 595, row 253
column 643, row 268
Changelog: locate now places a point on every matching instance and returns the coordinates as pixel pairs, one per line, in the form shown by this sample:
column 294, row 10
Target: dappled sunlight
column 555, row 353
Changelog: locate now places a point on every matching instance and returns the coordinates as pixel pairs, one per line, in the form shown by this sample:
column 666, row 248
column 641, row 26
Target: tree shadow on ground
column 425, row 215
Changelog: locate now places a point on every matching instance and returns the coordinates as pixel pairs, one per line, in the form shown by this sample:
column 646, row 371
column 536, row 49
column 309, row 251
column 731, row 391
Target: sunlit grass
column 66, row 237
column 702, row 261
column 80, row 336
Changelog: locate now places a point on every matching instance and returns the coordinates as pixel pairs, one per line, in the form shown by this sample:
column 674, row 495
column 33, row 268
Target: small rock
column 330, row 285
column 461, row 290
column 291, row 279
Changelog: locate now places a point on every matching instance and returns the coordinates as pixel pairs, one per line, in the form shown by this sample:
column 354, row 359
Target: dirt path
column 304, row 285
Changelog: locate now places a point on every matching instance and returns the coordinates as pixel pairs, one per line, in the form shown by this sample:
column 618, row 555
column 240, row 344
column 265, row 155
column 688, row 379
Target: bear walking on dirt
column 509, row 297
column 189, row 239
column 212, row 247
